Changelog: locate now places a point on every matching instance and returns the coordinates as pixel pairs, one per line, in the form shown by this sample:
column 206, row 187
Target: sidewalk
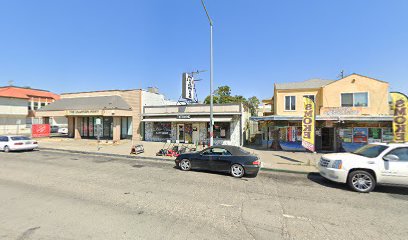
column 301, row 162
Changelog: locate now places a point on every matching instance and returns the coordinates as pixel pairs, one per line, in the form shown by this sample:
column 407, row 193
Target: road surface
column 53, row 195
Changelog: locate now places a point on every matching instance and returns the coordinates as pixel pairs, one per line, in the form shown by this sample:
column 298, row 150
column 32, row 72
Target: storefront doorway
column 107, row 127
column 180, row 132
column 327, row 139
column 196, row 133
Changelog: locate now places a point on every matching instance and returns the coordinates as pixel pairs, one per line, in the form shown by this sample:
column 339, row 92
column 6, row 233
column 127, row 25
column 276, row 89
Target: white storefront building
column 190, row 123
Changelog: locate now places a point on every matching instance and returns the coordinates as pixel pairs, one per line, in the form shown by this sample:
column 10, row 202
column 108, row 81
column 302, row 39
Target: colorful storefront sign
column 399, row 124
column 308, row 124
column 360, row 135
column 40, row 130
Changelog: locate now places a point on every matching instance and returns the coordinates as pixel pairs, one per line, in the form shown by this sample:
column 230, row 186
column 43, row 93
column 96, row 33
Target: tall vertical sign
column 188, row 86
column 400, row 118
column 308, row 124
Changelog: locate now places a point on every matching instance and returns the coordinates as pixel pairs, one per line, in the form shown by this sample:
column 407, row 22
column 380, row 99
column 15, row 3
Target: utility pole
column 211, row 76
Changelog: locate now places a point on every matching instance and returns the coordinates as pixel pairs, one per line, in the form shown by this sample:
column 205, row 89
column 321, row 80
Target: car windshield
column 370, row 150
column 20, row 138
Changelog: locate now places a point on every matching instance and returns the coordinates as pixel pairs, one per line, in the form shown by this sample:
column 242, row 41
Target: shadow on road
column 392, row 190
column 217, row 173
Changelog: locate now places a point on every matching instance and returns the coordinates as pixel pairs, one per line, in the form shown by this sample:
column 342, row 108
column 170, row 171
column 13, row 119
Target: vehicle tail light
column 35, row 142
column 257, row 162
column 19, row 143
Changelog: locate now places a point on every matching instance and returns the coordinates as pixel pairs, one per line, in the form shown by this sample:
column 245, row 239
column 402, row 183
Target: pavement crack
column 27, row 233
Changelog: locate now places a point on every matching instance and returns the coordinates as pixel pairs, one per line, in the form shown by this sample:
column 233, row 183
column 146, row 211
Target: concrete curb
column 263, row 169
column 107, row 154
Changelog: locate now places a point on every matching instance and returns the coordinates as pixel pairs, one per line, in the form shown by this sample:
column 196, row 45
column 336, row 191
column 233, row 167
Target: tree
column 253, row 104
column 223, row 95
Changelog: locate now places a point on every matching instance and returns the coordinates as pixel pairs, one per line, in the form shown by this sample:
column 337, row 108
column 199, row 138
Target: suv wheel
column 361, row 181
column 6, row 149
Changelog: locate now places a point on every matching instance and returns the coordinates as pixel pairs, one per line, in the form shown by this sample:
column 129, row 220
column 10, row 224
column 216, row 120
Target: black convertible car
column 231, row 159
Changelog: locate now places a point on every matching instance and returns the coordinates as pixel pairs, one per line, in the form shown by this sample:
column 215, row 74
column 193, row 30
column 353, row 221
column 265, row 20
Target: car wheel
column 237, row 171
column 361, row 181
column 185, row 165
column 6, row 149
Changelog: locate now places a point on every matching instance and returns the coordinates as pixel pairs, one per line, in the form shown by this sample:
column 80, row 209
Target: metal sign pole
column 211, row 76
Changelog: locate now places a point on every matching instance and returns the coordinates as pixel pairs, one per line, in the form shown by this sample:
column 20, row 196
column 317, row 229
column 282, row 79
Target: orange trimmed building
column 18, row 106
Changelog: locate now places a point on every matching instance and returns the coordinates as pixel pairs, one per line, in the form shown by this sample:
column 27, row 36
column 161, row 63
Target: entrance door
column 107, row 127
column 328, row 139
column 196, row 133
column 180, row 132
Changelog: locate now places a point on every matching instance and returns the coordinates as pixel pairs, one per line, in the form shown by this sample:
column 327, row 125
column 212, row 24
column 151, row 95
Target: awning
column 324, row 118
column 218, row 119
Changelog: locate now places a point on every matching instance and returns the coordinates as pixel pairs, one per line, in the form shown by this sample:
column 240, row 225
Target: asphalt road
column 51, row 195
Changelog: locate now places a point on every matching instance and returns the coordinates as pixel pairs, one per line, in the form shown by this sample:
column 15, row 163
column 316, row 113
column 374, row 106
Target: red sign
column 40, row 130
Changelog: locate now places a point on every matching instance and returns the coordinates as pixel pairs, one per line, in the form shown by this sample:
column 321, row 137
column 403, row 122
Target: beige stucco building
column 110, row 114
column 353, row 110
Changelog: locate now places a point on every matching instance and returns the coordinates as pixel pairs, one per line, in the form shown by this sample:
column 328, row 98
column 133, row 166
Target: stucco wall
column 8, row 125
column 280, row 99
column 13, row 106
column 377, row 94
column 329, row 96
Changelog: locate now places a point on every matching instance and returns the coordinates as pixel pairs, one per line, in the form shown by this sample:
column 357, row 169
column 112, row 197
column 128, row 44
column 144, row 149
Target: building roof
column 88, row 103
column 10, row 93
column 26, row 93
column 308, row 84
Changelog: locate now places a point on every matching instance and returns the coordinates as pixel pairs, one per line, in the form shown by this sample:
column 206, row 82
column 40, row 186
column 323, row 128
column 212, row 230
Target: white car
column 377, row 163
column 16, row 143
column 63, row 130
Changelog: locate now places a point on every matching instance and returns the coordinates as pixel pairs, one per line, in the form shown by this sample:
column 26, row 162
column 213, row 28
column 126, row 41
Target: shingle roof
column 308, row 84
column 88, row 103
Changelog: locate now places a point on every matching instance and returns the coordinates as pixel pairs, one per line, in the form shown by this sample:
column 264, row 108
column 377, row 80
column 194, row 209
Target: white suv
column 377, row 163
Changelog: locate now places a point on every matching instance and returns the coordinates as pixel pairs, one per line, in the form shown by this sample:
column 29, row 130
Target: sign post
column 308, row 124
column 99, row 131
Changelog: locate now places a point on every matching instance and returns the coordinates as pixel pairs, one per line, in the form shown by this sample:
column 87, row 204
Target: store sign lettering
column 308, row 124
column 400, row 117
column 183, row 117
column 84, row 112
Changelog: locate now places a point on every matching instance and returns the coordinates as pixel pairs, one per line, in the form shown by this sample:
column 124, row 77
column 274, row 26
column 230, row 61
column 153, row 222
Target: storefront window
column 374, row 135
column 91, row 127
column 387, row 135
column 346, row 135
column 126, row 128
column 162, row 130
column 221, row 130
column 294, row 134
column 360, row 135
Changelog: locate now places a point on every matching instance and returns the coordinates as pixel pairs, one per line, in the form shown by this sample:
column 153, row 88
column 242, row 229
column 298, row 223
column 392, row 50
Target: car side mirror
column 391, row 157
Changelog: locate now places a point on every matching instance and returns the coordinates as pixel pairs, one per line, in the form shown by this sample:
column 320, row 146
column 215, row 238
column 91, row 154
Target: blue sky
column 77, row 45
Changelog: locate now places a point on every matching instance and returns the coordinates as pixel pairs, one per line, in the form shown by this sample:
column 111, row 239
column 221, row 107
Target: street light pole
column 211, row 77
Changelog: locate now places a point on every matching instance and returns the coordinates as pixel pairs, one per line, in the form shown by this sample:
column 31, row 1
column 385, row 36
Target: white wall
column 13, row 106
column 8, row 125
column 155, row 99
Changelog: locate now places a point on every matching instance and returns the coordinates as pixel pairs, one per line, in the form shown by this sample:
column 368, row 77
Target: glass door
column 180, row 132
column 107, row 127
